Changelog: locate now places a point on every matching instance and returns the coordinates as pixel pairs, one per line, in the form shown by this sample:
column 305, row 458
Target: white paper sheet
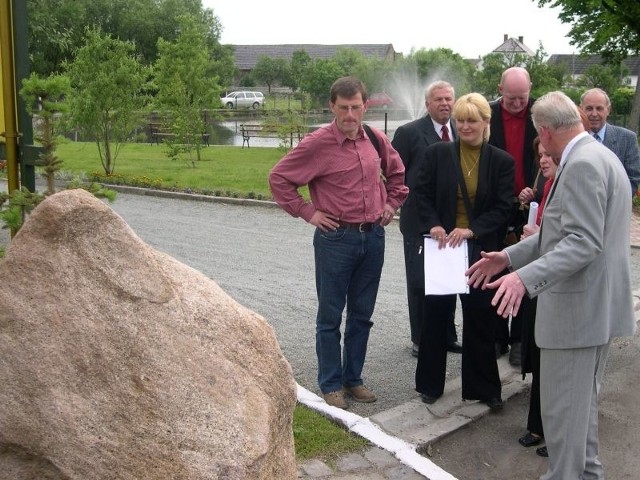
column 533, row 212
column 444, row 269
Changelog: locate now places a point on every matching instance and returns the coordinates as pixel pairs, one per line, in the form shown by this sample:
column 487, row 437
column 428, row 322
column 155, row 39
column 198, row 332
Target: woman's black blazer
column 437, row 185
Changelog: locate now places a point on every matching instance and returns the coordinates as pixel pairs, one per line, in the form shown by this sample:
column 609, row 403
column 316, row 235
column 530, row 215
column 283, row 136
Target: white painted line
column 401, row 449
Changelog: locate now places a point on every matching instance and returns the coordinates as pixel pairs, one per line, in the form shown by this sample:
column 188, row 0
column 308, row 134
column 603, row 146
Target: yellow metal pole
column 9, row 94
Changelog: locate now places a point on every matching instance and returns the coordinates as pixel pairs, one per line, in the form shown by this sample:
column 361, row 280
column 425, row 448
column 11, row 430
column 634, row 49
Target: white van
column 243, row 99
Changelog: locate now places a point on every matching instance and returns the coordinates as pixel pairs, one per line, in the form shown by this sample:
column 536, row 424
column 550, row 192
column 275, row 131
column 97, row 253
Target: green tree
column 622, row 100
column 45, row 98
column 544, row 77
column 487, row 78
column 56, row 28
column 444, row 64
column 187, row 84
column 300, row 61
column 107, row 82
column 270, row 70
column 610, row 28
column 607, row 77
column 318, row 78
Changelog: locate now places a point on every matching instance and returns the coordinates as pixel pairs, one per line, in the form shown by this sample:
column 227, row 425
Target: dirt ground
column 488, row 448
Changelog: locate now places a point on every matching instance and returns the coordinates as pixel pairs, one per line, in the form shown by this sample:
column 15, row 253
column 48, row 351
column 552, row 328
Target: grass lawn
column 222, row 170
column 317, row 437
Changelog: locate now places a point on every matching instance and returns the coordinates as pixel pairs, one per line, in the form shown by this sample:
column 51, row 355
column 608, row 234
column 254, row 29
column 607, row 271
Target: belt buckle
column 361, row 227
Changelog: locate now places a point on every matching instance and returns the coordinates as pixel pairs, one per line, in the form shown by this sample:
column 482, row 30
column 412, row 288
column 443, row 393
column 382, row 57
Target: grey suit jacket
column 578, row 265
column 410, row 141
column 624, row 144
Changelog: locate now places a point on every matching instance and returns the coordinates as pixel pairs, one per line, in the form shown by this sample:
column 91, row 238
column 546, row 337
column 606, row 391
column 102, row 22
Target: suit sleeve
column 582, row 222
column 426, row 190
column 631, row 161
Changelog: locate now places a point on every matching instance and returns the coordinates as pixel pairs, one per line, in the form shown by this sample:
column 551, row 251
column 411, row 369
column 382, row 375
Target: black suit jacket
column 497, row 139
column 411, row 141
column 437, row 186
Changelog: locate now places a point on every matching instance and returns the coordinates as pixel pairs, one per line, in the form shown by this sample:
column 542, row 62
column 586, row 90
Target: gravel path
column 263, row 258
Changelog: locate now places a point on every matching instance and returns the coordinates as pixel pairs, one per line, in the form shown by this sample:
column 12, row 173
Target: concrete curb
column 402, row 450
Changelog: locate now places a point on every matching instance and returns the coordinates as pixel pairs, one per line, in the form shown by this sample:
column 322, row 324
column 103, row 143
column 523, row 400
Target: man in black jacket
column 512, row 130
column 411, row 140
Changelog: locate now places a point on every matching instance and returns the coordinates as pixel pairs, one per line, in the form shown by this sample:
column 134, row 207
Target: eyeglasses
column 353, row 108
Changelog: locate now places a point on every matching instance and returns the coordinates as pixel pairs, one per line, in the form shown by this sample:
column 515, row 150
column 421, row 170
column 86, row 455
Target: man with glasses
column 355, row 192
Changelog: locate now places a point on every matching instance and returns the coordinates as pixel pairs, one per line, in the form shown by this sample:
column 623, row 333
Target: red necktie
column 445, row 134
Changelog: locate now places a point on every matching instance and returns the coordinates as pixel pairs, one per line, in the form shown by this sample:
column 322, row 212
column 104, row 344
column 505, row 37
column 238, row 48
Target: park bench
column 253, row 130
column 158, row 132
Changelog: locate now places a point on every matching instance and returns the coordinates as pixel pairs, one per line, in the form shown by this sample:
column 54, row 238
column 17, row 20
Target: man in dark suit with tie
column 410, row 141
column 624, row 143
column 578, row 268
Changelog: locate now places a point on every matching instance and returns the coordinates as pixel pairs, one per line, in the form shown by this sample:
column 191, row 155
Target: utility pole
column 15, row 125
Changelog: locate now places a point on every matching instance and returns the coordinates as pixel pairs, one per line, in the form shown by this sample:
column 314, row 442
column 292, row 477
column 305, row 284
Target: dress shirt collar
column 438, row 128
column 600, row 132
column 570, row 145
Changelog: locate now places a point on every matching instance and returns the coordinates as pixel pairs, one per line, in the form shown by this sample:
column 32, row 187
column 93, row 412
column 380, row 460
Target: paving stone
column 403, row 473
column 352, row 463
column 359, row 476
column 315, row 469
column 380, row 457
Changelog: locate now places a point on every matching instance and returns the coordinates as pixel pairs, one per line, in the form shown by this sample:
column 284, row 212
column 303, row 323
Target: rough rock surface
column 119, row 362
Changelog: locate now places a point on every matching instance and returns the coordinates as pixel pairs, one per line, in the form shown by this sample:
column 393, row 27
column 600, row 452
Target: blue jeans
column 348, row 267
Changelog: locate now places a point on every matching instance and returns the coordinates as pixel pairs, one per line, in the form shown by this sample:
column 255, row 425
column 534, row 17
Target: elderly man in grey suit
column 578, row 267
column 624, row 143
column 410, row 141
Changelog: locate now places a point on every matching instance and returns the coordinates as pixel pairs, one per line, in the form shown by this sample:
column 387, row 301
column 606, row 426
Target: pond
column 227, row 131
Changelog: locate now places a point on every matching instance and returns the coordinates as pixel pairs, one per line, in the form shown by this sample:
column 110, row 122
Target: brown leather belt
column 361, row 227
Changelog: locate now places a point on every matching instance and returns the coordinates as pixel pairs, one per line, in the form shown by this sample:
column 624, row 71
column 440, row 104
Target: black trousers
column 531, row 363
column 414, row 268
column 480, row 376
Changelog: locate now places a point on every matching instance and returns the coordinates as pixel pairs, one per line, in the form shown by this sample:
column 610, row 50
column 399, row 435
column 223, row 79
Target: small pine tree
column 46, row 99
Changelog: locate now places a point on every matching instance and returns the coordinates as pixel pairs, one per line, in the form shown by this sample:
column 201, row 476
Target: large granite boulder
column 119, row 362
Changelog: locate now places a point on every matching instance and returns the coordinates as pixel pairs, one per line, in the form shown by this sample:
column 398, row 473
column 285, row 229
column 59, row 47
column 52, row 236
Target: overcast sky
column 470, row 28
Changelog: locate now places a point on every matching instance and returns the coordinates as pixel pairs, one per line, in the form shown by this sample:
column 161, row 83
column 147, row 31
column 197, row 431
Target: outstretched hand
column 509, row 295
column 489, row 265
column 510, row 288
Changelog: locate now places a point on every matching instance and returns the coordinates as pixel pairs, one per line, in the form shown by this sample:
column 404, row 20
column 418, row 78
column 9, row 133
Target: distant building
column 577, row 65
column 509, row 48
column 246, row 56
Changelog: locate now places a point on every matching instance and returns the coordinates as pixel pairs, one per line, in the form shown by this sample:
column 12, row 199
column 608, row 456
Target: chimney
column 521, row 39
column 506, row 37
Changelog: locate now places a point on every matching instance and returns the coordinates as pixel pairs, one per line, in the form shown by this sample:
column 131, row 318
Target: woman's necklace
column 472, row 167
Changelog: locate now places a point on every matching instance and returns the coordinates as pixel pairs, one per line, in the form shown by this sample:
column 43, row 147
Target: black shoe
column 495, row 404
column 542, row 451
column 501, row 349
column 454, row 347
column 415, row 350
column 428, row 399
column 530, row 440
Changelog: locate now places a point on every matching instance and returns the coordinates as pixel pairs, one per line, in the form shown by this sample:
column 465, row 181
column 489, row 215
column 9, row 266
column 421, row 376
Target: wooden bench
column 158, row 132
column 256, row 130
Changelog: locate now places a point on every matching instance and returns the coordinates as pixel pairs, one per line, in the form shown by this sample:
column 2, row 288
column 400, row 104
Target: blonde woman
column 464, row 191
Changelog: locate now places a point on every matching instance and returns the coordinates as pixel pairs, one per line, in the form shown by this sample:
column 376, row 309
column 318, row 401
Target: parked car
column 379, row 99
column 243, row 99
